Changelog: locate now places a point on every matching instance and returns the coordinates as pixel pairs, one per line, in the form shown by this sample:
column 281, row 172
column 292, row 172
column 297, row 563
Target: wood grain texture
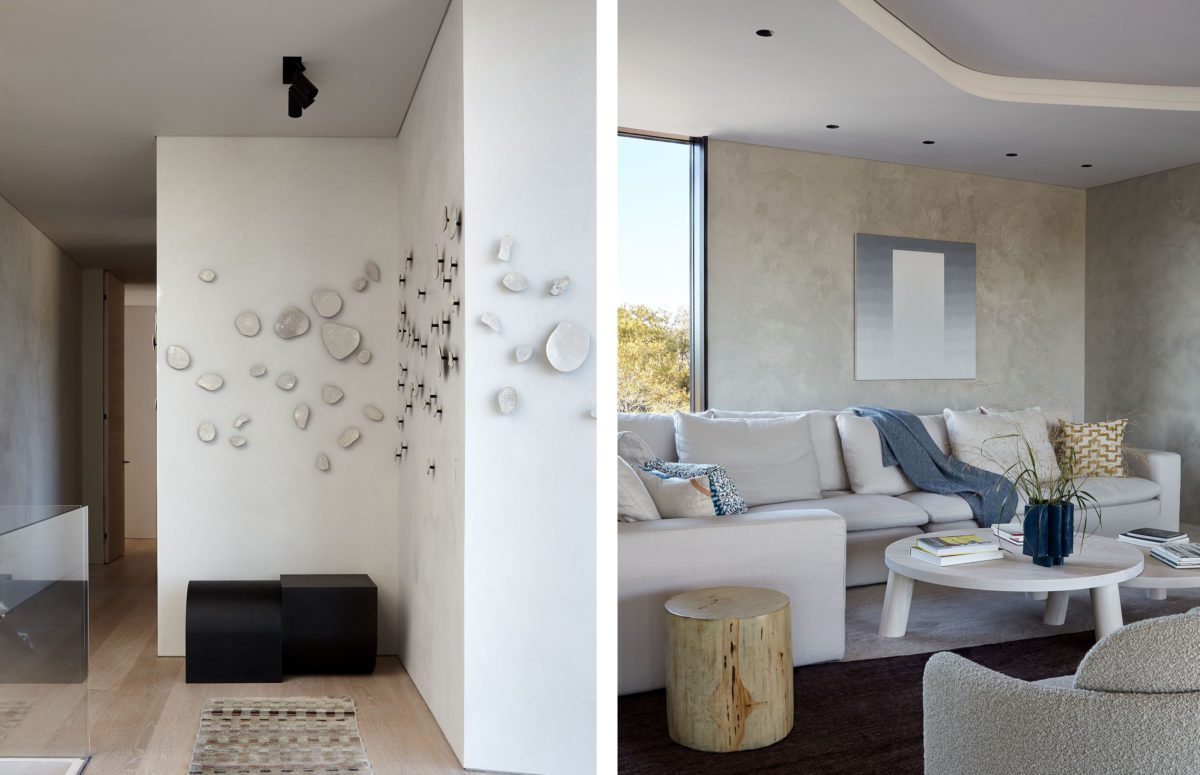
column 729, row 668
column 145, row 718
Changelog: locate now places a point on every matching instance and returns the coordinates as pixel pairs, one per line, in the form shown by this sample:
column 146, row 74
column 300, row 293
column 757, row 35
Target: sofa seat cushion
column 860, row 512
column 940, row 508
column 1120, row 490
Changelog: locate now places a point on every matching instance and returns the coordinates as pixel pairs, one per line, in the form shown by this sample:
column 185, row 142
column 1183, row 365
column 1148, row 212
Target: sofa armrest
column 1163, row 468
column 980, row 722
column 801, row 553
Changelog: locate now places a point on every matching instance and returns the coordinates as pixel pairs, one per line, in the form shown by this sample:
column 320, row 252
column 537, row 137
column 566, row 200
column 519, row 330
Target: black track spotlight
column 302, row 93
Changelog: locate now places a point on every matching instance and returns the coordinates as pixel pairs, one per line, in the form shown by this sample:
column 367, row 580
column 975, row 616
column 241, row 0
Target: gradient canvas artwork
column 914, row 308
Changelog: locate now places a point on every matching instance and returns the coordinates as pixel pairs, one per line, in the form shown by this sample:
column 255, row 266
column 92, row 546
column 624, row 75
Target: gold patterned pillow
column 1098, row 448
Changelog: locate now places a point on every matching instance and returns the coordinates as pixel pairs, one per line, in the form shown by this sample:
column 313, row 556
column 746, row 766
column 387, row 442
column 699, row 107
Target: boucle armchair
column 1132, row 706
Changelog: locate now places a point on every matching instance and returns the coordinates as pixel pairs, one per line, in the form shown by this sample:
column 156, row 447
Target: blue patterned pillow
column 725, row 495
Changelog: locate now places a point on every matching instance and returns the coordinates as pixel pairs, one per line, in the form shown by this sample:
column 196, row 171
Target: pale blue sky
column 654, row 212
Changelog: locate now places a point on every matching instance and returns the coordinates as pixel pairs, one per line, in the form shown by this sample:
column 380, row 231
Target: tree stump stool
column 729, row 668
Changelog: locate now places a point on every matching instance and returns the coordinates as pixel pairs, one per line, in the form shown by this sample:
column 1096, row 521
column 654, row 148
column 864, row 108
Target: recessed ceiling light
column 1010, row 154
column 926, row 142
column 832, row 126
column 764, row 33
column 1085, row 165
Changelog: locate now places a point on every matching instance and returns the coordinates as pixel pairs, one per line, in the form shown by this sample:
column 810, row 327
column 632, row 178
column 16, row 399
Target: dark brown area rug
column 851, row 717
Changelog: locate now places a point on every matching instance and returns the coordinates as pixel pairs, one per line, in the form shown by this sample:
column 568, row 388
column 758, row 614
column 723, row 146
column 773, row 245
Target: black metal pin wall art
column 301, row 91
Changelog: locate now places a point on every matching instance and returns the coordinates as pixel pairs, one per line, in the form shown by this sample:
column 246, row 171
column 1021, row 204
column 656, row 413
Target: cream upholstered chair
column 1132, row 706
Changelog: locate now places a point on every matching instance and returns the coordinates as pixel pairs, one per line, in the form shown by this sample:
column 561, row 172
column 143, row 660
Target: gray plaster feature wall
column 1143, row 313
column 39, row 367
column 781, row 228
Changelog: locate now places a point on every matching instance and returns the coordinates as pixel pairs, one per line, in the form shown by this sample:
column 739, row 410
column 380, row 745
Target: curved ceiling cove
column 1021, row 88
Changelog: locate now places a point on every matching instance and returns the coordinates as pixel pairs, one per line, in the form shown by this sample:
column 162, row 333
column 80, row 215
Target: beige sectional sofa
column 661, row 557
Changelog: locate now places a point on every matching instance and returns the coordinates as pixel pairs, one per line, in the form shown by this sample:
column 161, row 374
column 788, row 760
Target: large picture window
column 660, row 290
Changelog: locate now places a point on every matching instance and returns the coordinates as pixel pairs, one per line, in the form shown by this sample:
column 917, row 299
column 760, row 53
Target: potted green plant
column 1051, row 503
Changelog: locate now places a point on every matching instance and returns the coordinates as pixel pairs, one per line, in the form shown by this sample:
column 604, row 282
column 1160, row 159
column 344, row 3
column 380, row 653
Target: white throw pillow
column 769, row 460
column 679, row 497
column 633, row 449
column 863, row 450
column 995, row 441
column 634, row 503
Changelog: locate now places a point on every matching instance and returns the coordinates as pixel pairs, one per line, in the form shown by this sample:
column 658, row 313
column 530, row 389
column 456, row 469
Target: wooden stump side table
column 729, row 668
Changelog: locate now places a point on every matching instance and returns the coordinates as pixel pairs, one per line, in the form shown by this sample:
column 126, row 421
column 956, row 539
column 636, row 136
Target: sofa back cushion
column 1150, row 656
column 634, row 502
column 657, row 430
column 863, row 450
column 826, row 443
column 770, row 460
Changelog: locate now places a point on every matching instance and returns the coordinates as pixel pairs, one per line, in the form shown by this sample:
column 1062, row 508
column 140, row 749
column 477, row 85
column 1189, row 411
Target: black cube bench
column 329, row 623
column 234, row 632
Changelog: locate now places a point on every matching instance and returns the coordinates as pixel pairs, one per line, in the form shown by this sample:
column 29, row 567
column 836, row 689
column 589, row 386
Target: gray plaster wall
column 781, row 228
column 39, row 366
column 1143, row 313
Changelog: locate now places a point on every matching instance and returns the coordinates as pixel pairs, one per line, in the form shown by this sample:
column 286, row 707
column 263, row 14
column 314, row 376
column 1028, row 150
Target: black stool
column 329, row 623
column 234, row 632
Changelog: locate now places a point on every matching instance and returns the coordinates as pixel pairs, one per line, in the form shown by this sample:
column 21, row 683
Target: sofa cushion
column 725, row 495
column 863, row 450
column 679, row 497
column 1151, row 656
column 634, row 503
column 633, row 449
column 657, row 430
column 940, row 508
column 1094, row 448
column 1120, row 490
column 826, row 441
column 771, row 460
column 861, row 512
column 996, row 441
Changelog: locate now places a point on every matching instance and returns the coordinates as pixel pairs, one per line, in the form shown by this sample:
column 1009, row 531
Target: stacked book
column 1011, row 535
column 956, row 549
column 1178, row 555
column 1151, row 537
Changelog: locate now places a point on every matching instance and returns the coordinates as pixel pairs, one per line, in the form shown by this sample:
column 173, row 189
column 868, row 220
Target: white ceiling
column 696, row 67
column 85, row 87
column 1122, row 41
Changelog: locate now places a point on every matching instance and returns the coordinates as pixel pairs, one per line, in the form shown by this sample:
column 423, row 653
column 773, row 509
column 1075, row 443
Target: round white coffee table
column 1157, row 577
column 1099, row 566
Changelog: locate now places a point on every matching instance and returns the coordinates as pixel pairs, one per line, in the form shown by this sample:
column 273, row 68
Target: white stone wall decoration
column 292, row 323
column 568, row 347
column 491, row 320
column 523, row 353
column 247, row 324
column 363, row 356
column 208, row 275
column 327, row 303
column 349, row 437
column 505, row 252
column 241, row 420
column 237, row 441
column 559, row 286
column 507, row 400
column 340, row 340
column 301, row 415
column 359, row 284
column 210, row 382
column 373, row 273
column 178, row 358
column 515, row 282
column 331, row 394
column 206, row 432
column 322, row 462
column 373, row 413
column 258, row 370
column 286, row 381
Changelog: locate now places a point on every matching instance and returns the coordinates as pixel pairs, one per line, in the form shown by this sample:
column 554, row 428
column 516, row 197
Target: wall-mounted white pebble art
column 327, row 303
column 178, row 358
column 247, row 324
column 505, row 252
column 331, row 394
column 208, row 275
column 363, row 356
column 568, row 347
column 523, row 353
column 373, row 273
column 286, row 381
column 559, row 286
column 507, row 399
column 491, row 320
column 210, row 381
column 340, row 340
column 515, row 282
column 348, row 437
column 322, row 462
column 241, row 420
column 359, row 284
column 237, row 441
column 207, row 432
column 373, row 413
column 292, row 323
column 301, row 416
column 258, row 370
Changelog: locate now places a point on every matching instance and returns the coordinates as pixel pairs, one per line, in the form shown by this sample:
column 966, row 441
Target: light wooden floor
column 144, row 717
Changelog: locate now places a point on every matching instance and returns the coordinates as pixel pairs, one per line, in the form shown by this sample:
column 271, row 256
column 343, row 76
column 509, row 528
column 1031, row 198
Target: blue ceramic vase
column 1049, row 532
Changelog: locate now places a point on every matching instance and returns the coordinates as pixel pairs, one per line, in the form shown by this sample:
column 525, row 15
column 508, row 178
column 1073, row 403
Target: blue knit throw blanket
column 906, row 443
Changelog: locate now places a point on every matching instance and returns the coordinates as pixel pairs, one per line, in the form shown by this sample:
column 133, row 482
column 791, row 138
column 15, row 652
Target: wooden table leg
column 1156, row 594
column 893, row 623
column 1056, row 608
column 1106, row 609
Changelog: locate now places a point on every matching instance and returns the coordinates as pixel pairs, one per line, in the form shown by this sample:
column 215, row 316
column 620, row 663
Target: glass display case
column 43, row 640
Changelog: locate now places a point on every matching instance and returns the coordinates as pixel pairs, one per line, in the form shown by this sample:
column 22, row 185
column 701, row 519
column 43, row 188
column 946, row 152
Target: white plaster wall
column 141, row 513
column 276, row 218
column 781, row 228
column 431, row 507
column 530, row 159
column 39, row 366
